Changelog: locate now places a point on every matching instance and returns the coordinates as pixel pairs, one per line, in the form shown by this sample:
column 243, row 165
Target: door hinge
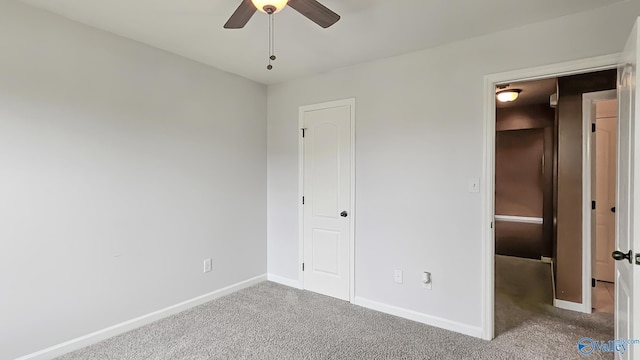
column 492, row 224
column 302, row 266
column 593, row 205
column 593, row 282
column 303, row 200
column 593, row 127
column 303, row 131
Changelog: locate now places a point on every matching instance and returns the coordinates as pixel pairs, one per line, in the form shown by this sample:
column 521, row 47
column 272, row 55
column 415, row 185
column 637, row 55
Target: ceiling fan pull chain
column 271, row 56
column 311, row 9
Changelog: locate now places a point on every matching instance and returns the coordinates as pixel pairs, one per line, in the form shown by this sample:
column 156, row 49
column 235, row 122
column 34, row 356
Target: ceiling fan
column 311, row 9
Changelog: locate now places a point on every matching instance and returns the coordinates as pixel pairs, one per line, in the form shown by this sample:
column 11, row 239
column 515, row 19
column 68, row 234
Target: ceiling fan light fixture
column 267, row 6
column 508, row 95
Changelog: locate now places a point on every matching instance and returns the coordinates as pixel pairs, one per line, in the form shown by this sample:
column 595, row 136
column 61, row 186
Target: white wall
column 419, row 137
column 121, row 168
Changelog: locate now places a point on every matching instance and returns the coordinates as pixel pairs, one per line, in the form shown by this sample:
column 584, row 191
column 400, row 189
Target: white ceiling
column 368, row 30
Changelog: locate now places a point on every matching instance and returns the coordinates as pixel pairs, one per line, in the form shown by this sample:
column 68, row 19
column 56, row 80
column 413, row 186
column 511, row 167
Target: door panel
column 627, row 276
column 326, row 252
column 606, row 129
column 325, row 139
column 327, row 193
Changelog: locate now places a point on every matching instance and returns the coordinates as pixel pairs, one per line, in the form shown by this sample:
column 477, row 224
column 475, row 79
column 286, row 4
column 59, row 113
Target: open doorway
column 525, row 143
column 540, row 205
column 524, row 171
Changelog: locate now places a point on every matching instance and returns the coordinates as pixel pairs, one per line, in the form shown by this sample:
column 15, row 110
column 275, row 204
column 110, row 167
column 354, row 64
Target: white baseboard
column 111, row 331
column 568, row 305
column 284, row 281
column 465, row 329
column 518, row 258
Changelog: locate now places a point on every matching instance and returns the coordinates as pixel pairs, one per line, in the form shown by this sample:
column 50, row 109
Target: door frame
column 488, row 189
column 588, row 117
column 351, row 102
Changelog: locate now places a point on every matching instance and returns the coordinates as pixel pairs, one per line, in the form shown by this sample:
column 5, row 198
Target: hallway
column 524, row 311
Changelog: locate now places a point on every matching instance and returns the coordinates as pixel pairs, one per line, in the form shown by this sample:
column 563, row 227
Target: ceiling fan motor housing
column 269, row 6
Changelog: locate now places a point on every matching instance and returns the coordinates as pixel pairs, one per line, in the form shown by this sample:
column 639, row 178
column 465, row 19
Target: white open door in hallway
column 605, row 194
column 327, row 190
column 627, row 280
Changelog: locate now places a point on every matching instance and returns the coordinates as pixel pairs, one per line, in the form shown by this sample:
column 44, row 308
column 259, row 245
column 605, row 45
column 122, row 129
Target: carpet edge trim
column 125, row 326
column 430, row 320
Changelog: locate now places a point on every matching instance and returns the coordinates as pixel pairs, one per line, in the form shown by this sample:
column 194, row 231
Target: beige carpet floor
column 271, row 321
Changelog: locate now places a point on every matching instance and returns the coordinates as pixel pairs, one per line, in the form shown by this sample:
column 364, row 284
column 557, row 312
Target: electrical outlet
column 207, row 265
column 397, row 276
column 427, row 282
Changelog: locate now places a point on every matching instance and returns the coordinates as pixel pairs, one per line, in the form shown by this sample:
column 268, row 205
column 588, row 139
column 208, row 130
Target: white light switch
column 473, row 185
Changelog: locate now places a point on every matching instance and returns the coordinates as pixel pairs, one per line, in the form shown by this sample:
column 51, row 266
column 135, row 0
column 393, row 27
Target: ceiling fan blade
column 241, row 16
column 315, row 11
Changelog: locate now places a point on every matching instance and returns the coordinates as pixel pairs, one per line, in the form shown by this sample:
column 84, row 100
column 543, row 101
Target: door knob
column 344, row 214
column 619, row 255
column 613, row 209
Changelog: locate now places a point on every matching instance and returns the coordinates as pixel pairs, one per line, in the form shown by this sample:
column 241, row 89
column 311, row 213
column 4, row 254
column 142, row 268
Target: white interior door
column 327, row 198
column 627, row 276
column 606, row 130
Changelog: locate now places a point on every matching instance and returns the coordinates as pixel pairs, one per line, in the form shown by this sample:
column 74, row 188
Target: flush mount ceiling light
column 508, row 95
